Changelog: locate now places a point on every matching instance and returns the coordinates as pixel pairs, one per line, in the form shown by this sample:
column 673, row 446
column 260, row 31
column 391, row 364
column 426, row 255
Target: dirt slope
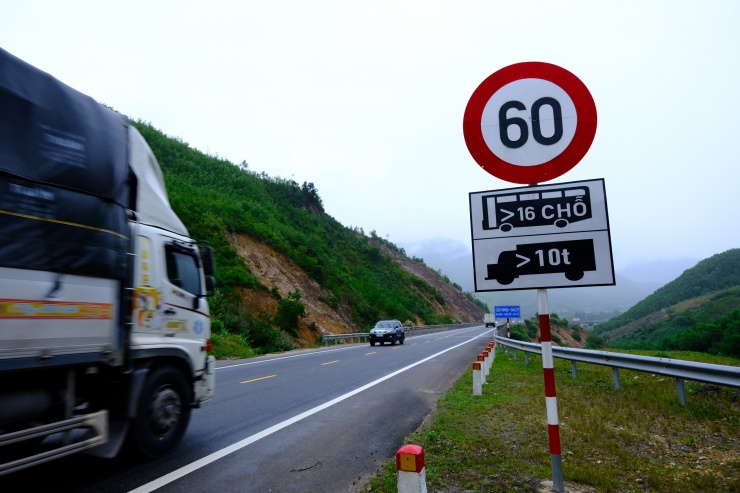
column 456, row 305
column 277, row 272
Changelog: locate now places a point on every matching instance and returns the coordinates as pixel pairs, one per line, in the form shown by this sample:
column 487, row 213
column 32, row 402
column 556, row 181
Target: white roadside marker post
column 411, row 471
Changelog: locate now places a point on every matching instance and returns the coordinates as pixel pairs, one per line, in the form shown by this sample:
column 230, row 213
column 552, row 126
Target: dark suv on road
column 387, row 331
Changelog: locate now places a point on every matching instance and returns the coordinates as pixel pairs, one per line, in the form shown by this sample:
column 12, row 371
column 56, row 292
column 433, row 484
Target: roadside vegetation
column 216, row 198
column 634, row 439
column 698, row 311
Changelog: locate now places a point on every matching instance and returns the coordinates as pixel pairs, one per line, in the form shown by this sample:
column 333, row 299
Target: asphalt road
column 320, row 420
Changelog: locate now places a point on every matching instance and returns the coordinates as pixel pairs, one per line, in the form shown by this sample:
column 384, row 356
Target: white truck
column 104, row 325
column 489, row 319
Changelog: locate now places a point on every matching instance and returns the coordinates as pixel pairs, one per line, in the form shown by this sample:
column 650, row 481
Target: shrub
column 290, row 311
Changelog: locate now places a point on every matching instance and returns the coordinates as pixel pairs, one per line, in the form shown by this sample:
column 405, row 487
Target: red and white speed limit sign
column 529, row 122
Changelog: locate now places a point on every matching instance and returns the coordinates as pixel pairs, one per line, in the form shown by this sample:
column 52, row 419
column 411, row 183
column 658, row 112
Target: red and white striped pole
column 548, row 369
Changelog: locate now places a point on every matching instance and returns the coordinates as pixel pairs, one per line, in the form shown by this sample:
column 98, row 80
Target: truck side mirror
column 210, row 283
column 209, row 264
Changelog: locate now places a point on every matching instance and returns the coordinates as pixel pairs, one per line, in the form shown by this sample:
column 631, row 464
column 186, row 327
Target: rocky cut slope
column 281, row 275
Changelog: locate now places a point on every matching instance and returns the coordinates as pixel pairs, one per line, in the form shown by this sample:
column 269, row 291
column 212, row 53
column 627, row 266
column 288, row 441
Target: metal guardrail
column 680, row 370
column 410, row 332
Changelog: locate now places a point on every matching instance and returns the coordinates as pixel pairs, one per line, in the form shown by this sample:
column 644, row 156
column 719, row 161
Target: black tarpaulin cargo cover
column 64, row 176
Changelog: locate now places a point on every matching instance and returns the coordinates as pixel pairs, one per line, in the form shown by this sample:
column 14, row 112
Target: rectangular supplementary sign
column 542, row 236
column 507, row 311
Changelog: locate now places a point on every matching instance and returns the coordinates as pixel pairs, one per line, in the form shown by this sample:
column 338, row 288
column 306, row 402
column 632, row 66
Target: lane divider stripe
column 194, row 466
column 256, row 379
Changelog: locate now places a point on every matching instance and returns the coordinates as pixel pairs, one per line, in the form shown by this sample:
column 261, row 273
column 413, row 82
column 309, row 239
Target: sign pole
column 504, row 132
column 548, row 369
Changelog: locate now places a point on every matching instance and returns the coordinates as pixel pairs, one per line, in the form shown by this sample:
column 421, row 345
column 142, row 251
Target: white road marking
column 193, row 466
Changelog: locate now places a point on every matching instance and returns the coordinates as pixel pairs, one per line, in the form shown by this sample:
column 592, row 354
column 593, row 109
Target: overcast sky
column 366, row 99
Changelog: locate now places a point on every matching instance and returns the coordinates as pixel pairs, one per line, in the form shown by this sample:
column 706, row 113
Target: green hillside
column 214, row 197
column 699, row 311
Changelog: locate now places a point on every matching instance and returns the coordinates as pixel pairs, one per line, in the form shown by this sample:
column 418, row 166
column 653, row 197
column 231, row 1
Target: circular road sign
column 529, row 122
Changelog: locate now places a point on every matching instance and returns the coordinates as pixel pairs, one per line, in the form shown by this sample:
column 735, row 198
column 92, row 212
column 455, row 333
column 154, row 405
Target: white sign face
column 541, row 237
column 529, row 122
column 545, row 209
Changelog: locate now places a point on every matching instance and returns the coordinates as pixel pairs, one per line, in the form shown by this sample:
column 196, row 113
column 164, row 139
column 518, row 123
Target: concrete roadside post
column 411, row 471
column 477, row 379
column 482, row 361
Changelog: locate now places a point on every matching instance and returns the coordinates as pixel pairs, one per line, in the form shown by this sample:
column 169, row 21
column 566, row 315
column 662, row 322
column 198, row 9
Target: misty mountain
column 698, row 311
column 634, row 282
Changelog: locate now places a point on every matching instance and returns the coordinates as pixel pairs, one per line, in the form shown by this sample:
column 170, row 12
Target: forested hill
column 287, row 271
column 700, row 310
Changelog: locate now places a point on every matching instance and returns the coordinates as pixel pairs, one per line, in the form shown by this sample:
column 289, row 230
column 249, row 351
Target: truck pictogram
column 551, row 207
column 572, row 258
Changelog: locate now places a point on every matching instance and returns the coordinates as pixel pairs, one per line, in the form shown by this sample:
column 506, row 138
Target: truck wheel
column 505, row 278
column 163, row 413
column 372, row 343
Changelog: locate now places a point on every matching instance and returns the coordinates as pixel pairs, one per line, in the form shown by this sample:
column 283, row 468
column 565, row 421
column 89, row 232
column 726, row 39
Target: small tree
column 290, row 311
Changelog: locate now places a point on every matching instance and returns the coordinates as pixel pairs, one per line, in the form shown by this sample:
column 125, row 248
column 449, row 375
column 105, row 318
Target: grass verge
column 634, row 439
column 230, row 346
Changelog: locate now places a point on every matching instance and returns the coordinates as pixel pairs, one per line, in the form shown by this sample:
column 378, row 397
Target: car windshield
column 384, row 325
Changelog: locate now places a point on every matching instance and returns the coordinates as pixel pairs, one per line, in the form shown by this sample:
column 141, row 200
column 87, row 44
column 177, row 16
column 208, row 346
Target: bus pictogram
column 552, row 207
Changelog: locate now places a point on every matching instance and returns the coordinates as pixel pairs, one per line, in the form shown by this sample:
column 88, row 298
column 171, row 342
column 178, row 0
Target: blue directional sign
column 507, row 311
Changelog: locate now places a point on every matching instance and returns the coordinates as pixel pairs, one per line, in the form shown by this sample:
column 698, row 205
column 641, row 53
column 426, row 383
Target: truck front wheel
column 163, row 413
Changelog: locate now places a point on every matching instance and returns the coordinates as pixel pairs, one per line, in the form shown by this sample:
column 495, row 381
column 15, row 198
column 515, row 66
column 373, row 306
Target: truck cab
column 104, row 321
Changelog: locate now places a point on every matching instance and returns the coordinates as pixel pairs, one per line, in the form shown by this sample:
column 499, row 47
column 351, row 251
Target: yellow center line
column 374, row 352
column 330, row 362
column 260, row 378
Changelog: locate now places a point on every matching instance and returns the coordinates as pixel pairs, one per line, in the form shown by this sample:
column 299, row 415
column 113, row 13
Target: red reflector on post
column 410, row 458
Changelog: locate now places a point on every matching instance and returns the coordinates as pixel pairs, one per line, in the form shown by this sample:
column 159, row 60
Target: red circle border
column 563, row 162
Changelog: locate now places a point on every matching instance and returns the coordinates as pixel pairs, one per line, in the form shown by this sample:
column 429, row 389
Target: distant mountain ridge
column 700, row 310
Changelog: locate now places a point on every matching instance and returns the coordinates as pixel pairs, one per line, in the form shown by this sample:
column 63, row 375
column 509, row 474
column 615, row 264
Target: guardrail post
column 477, row 383
column 526, row 358
column 411, row 471
column 615, row 376
column 516, row 355
column 573, row 370
column 681, row 388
